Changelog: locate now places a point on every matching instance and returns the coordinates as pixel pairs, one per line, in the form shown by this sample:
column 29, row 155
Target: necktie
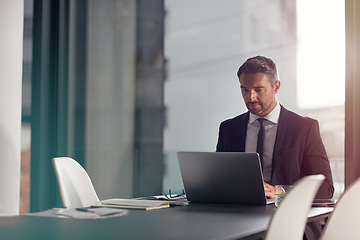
column 260, row 140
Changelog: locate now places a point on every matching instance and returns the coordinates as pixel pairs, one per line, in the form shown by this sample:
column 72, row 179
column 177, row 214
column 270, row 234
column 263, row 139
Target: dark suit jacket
column 298, row 149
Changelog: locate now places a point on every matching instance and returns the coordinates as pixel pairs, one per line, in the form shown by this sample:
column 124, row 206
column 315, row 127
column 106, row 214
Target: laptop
column 222, row 178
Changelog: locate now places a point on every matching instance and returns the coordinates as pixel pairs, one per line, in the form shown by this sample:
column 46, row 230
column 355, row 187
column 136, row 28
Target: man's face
column 258, row 92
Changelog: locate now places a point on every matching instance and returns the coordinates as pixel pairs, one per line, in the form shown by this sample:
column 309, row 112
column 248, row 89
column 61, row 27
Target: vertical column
column 110, row 96
column 11, row 40
column 149, row 109
column 352, row 100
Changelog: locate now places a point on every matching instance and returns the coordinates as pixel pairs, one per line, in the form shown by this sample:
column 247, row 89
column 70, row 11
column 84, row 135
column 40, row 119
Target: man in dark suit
column 292, row 146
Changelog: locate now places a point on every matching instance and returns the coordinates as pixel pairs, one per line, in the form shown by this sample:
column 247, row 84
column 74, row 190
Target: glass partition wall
column 97, row 96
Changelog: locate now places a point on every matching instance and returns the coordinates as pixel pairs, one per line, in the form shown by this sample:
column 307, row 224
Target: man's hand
column 269, row 190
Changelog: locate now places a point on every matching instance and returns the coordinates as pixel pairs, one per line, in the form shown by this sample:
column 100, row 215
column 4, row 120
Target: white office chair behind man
column 289, row 220
column 75, row 185
column 344, row 221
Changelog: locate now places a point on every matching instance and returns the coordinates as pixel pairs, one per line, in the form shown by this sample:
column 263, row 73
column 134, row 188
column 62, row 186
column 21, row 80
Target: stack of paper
column 135, row 203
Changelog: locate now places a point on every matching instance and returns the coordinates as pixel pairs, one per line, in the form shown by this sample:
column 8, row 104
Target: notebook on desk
column 222, row 177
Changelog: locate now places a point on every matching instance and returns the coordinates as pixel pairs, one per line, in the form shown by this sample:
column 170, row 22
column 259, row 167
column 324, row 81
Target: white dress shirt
column 270, row 129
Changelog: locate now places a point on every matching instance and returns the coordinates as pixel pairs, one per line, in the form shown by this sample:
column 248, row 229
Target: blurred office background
column 122, row 85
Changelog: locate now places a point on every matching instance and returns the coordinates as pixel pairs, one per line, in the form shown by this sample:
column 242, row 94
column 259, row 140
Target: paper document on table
column 133, row 203
column 81, row 213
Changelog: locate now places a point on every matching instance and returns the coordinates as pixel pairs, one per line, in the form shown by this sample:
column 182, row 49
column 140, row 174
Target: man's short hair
column 260, row 64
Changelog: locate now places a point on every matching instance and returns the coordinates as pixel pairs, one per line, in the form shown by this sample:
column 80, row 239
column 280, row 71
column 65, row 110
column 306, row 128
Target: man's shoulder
column 296, row 117
column 237, row 119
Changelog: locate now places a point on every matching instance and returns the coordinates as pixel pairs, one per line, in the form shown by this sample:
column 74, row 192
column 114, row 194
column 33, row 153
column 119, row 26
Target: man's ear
column 277, row 86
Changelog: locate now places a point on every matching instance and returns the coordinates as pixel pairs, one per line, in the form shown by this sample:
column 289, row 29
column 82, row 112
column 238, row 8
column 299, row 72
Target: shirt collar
column 273, row 116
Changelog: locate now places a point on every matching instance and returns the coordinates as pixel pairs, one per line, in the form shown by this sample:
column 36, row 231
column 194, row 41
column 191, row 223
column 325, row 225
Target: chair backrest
column 75, row 185
column 290, row 218
column 344, row 221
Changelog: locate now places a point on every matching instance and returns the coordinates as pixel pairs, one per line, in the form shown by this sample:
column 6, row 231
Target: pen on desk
column 82, row 209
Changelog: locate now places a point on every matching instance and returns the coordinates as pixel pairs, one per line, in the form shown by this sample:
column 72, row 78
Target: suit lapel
column 279, row 135
column 242, row 131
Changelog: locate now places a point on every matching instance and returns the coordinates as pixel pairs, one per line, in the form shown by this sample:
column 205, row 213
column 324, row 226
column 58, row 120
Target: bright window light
column 321, row 53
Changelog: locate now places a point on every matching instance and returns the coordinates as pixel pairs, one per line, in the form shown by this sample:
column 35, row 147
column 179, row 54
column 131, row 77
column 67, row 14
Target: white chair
column 290, row 218
column 75, row 185
column 344, row 222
